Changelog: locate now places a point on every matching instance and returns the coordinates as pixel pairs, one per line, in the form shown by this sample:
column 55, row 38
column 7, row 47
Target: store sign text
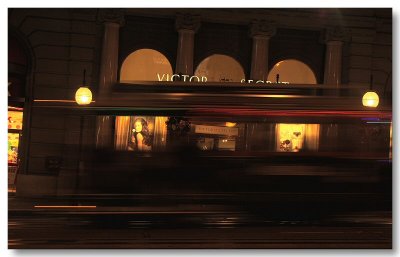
column 178, row 77
column 262, row 81
column 215, row 130
column 188, row 78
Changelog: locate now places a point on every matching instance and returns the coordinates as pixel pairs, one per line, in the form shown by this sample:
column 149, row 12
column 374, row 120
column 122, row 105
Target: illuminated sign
column 189, row 78
column 181, row 77
column 262, row 81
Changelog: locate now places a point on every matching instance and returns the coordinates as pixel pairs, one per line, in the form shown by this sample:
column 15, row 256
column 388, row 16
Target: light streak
column 65, row 206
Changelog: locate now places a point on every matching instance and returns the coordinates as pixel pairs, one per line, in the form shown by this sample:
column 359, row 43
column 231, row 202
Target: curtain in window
column 312, row 137
column 160, row 133
column 122, row 132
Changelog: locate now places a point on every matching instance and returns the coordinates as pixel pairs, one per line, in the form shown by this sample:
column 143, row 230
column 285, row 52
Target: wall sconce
column 370, row 98
column 83, row 95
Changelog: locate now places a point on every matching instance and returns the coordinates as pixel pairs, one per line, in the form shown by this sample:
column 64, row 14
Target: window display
column 15, row 116
column 13, row 140
column 14, row 119
column 141, row 136
column 140, row 133
column 295, row 137
column 14, row 130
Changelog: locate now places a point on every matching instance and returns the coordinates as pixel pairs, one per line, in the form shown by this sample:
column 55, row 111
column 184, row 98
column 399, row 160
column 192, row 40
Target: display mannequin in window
column 141, row 138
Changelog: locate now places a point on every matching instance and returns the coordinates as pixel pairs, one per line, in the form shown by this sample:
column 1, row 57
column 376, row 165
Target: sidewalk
column 85, row 205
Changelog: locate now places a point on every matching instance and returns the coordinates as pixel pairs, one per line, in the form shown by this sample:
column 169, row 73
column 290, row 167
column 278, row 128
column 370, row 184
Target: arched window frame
column 294, row 59
column 225, row 55
column 137, row 50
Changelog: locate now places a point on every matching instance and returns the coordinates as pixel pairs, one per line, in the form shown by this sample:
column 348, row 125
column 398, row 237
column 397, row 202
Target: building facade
column 345, row 51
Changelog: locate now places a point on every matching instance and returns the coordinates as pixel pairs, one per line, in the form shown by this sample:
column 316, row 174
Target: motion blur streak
column 62, row 206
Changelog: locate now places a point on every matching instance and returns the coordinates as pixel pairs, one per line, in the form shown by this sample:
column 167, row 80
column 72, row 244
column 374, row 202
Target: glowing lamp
column 370, row 99
column 83, row 96
column 230, row 124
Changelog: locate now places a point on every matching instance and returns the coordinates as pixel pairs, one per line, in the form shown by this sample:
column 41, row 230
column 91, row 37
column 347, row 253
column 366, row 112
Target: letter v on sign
column 158, row 76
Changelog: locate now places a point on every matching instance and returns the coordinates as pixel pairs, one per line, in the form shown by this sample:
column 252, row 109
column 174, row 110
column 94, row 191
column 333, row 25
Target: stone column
column 112, row 19
column 333, row 56
column 261, row 32
column 334, row 39
column 186, row 25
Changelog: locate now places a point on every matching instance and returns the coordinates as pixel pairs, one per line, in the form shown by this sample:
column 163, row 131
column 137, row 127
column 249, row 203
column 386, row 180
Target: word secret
column 262, row 81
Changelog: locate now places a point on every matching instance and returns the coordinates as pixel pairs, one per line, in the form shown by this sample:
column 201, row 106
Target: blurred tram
column 278, row 152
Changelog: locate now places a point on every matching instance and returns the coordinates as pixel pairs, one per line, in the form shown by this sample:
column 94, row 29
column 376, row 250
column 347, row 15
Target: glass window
column 140, row 133
column 292, row 71
column 220, row 68
column 212, row 134
column 295, row 137
column 13, row 141
column 15, row 120
column 145, row 65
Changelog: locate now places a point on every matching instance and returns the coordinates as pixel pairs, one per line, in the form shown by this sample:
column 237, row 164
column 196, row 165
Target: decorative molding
column 187, row 21
column 114, row 15
column 262, row 28
column 336, row 34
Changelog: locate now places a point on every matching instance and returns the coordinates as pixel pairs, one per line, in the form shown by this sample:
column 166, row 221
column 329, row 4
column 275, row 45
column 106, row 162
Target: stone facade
column 64, row 42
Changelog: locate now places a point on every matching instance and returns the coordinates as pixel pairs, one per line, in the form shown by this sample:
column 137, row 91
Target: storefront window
column 13, row 141
column 219, row 138
column 17, row 74
column 297, row 137
column 15, row 116
column 140, row 133
column 292, row 71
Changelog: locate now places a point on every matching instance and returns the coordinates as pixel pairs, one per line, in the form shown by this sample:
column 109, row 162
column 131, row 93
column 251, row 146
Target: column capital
column 262, row 28
column 112, row 15
column 187, row 21
column 336, row 34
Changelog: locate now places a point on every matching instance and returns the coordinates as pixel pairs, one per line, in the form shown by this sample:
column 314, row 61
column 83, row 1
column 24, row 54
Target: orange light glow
column 65, row 206
column 57, row 100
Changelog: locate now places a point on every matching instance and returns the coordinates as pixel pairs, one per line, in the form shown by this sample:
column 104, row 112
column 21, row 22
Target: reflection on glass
column 205, row 143
column 227, row 144
column 220, row 138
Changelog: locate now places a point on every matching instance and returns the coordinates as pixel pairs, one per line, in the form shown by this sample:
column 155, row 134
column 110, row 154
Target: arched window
column 220, row 68
column 144, row 65
column 292, row 71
